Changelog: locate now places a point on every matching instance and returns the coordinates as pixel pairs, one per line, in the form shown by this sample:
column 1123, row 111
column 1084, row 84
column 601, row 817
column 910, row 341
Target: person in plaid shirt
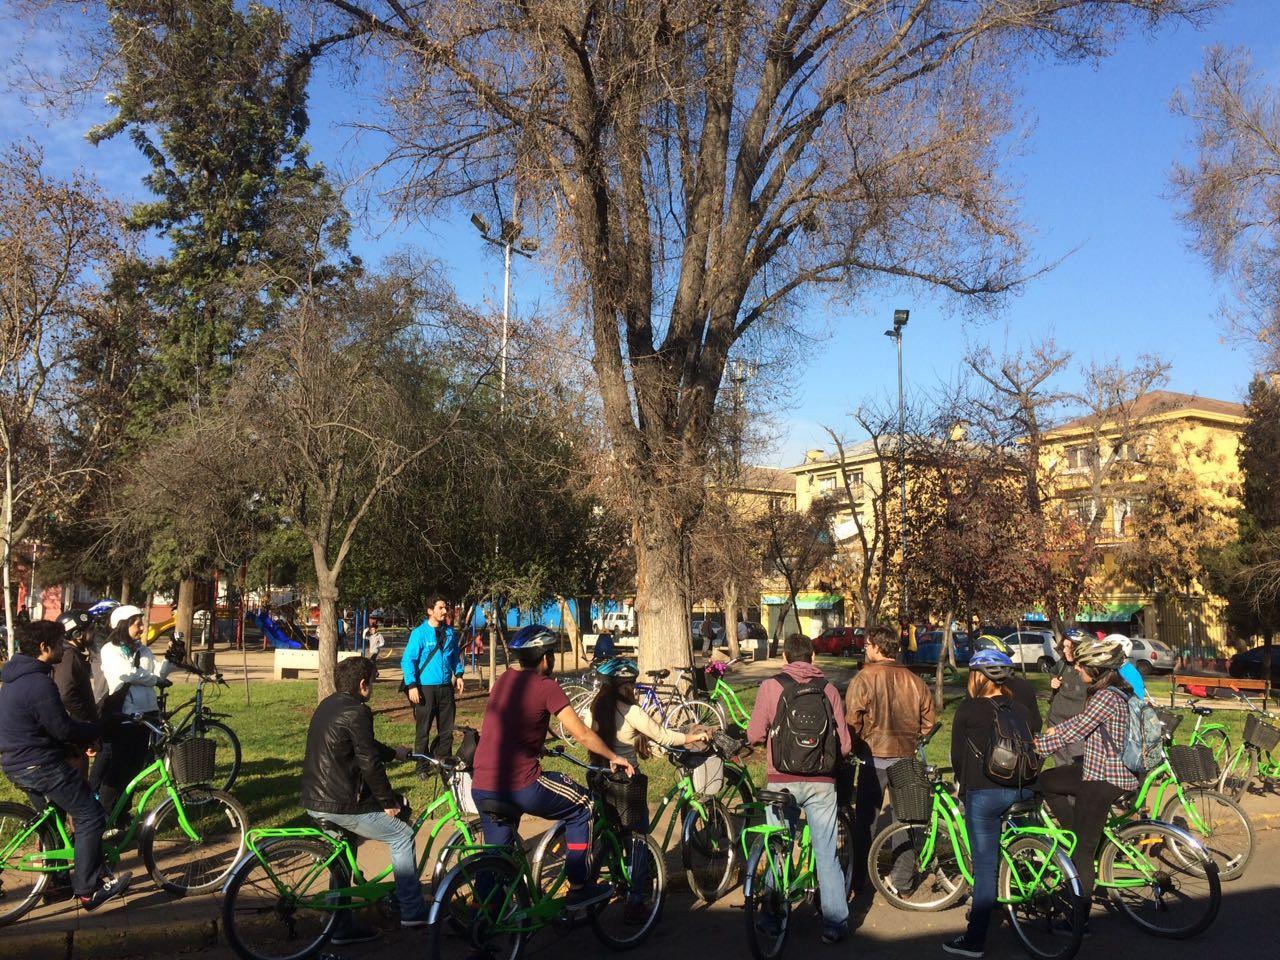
column 1103, row 778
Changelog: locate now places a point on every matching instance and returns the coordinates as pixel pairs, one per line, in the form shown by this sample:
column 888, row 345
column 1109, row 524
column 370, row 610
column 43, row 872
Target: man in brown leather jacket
column 888, row 709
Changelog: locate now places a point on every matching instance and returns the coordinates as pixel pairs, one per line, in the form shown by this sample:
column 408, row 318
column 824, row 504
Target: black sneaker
column 834, row 932
column 354, row 934
column 109, row 888
column 961, row 947
column 587, row 895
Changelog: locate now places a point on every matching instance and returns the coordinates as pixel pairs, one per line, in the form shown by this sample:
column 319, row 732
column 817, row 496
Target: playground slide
column 157, row 630
column 271, row 630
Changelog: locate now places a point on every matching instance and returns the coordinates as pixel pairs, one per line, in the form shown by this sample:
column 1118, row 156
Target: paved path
column 150, row 923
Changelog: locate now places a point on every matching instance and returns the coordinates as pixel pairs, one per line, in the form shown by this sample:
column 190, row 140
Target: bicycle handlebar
column 557, row 750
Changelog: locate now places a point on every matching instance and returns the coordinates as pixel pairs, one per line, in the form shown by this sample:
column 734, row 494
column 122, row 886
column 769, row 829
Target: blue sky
column 1092, row 174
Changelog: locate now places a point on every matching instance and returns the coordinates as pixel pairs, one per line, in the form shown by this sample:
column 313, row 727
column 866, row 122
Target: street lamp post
column 900, row 318
column 506, row 239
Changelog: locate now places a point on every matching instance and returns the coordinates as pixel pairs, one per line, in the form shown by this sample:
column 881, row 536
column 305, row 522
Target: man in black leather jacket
column 345, row 783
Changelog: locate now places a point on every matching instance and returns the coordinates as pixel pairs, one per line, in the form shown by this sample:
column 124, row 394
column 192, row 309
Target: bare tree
column 1230, row 192
column 796, row 546
column 57, row 240
column 706, row 165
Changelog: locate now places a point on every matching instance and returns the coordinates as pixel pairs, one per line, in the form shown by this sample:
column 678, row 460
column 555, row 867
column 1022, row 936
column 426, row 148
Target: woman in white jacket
column 132, row 675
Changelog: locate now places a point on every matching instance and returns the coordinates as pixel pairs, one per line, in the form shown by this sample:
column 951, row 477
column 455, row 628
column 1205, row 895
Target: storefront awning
column 1107, row 613
column 805, row 601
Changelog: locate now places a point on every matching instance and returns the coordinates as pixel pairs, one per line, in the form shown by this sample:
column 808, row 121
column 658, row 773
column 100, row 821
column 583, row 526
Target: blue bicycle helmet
column 992, row 664
column 533, row 637
column 100, row 609
column 618, row 670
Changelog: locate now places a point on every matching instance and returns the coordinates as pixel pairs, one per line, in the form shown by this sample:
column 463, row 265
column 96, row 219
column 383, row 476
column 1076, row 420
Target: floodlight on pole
column 506, row 239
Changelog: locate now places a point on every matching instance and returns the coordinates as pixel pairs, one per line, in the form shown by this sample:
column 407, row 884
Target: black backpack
column 1010, row 757
column 803, row 740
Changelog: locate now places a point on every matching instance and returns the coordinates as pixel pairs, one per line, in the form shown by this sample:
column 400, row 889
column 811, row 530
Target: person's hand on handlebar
column 618, row 765
column 403, row 754
column 697, row 738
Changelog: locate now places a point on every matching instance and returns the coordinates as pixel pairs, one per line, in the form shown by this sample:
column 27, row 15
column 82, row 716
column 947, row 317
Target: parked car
column 617, row 621
column 1035, row 648
column 756, row 631
column 717, row 633
column 929, row 646
column 840, row 641
column 1247, row 665
column 1150, row 656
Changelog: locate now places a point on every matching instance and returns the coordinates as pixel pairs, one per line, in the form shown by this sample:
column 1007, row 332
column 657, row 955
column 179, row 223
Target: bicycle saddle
column 658, row 674
column 783, row 797
column 1202, row 711
column 328, row 826
column 499, row 809
column 1023, row 807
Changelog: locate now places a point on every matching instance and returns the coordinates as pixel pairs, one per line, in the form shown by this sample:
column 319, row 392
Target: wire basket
column 192, row 761
column 1169, row 720
column 910, row 791
column 1258, row 733
column 1192, row 764
column 460, row 784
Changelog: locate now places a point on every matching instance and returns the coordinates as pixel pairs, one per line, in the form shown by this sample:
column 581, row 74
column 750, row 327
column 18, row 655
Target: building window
column 1081, row 457
column 1121, row 512
column 827, row 483
column 1084, row 510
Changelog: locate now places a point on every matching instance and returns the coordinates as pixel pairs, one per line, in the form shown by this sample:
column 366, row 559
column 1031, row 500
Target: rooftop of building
column 1159, row 403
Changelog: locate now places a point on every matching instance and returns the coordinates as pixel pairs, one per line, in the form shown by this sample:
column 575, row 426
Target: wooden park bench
column 1237, row 684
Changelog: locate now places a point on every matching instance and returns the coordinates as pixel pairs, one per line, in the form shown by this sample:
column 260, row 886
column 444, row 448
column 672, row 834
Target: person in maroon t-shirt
column 507, row 768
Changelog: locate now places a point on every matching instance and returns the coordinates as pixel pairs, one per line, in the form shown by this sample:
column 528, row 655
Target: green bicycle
column 1180, row 791
column 283, row 899
column 491, row 902
column 189, row 837
column 723, row 698
column 780, row 871
column 1254, row 758
column 1158, row 875
column 193, row 719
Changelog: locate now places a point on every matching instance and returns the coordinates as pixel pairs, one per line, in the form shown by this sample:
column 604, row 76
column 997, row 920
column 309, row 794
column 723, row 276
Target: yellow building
column 1076, row 471
column 1070, row 464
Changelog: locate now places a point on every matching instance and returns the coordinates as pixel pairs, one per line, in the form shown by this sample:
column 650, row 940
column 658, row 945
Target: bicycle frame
column 724, row 694
column 57, row 860
column 680, row 795
column 1156, row 785
column 799, row 875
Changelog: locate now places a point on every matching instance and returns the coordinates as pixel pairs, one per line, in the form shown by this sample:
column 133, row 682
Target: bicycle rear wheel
column 20, row 889
column 845, row 847
column 692, row 712
column 934, row 885
column 269, row 910
column 1217, row 741
column 766, row 903
column 1218, row 822
column 635, row 868
column 479, row 910
column 1161, row 879
column 181, row 864
column 709, row 851
column 1041, row 891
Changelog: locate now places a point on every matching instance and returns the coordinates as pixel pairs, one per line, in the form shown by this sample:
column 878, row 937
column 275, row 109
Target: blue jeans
column 983, row 813
column 553, row 796
column 67, row 789
column 397, row 835
column 818, row 801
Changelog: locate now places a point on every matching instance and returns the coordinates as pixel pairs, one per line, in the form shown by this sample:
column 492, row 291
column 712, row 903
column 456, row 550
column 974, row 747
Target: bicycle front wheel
column 1219, row 823
column 709, row 852
column 766, row 901
column 480, row 909
column 226, row 756
column 20, row 889
column 1041, row 891
column 1161, row 879
column 1238, row 772
column 634, row 866
column 274, row 907
column 201, row 855
column 900, row 873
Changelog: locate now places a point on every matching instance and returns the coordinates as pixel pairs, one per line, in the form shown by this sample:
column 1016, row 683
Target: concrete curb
column 128, row 941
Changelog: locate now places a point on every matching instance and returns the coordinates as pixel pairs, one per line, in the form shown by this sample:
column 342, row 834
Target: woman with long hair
column 626, row 729
column 1100, row 781
column 985, row 801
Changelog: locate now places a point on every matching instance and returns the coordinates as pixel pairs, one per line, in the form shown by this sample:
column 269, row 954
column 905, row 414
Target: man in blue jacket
column 36, row 735
column 432, row 668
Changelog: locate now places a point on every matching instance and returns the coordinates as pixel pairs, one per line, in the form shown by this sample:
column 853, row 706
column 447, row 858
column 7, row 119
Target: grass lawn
column 272, row 728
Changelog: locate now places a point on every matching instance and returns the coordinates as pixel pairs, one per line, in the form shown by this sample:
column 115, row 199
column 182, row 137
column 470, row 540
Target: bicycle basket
column 1192, row 764
column 1169, row 720
column 1258, row 733
column 191, row 761
column 910, row 791
column 460, row 784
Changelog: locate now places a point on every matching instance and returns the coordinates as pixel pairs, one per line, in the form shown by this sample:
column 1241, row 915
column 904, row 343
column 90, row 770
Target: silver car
column 1150, row 656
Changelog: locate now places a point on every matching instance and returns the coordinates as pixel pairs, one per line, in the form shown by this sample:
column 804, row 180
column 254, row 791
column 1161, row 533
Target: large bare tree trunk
column 327, row 589
column 7, row 532
column 731, row 617
column 662, row 602
column 185, row 613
